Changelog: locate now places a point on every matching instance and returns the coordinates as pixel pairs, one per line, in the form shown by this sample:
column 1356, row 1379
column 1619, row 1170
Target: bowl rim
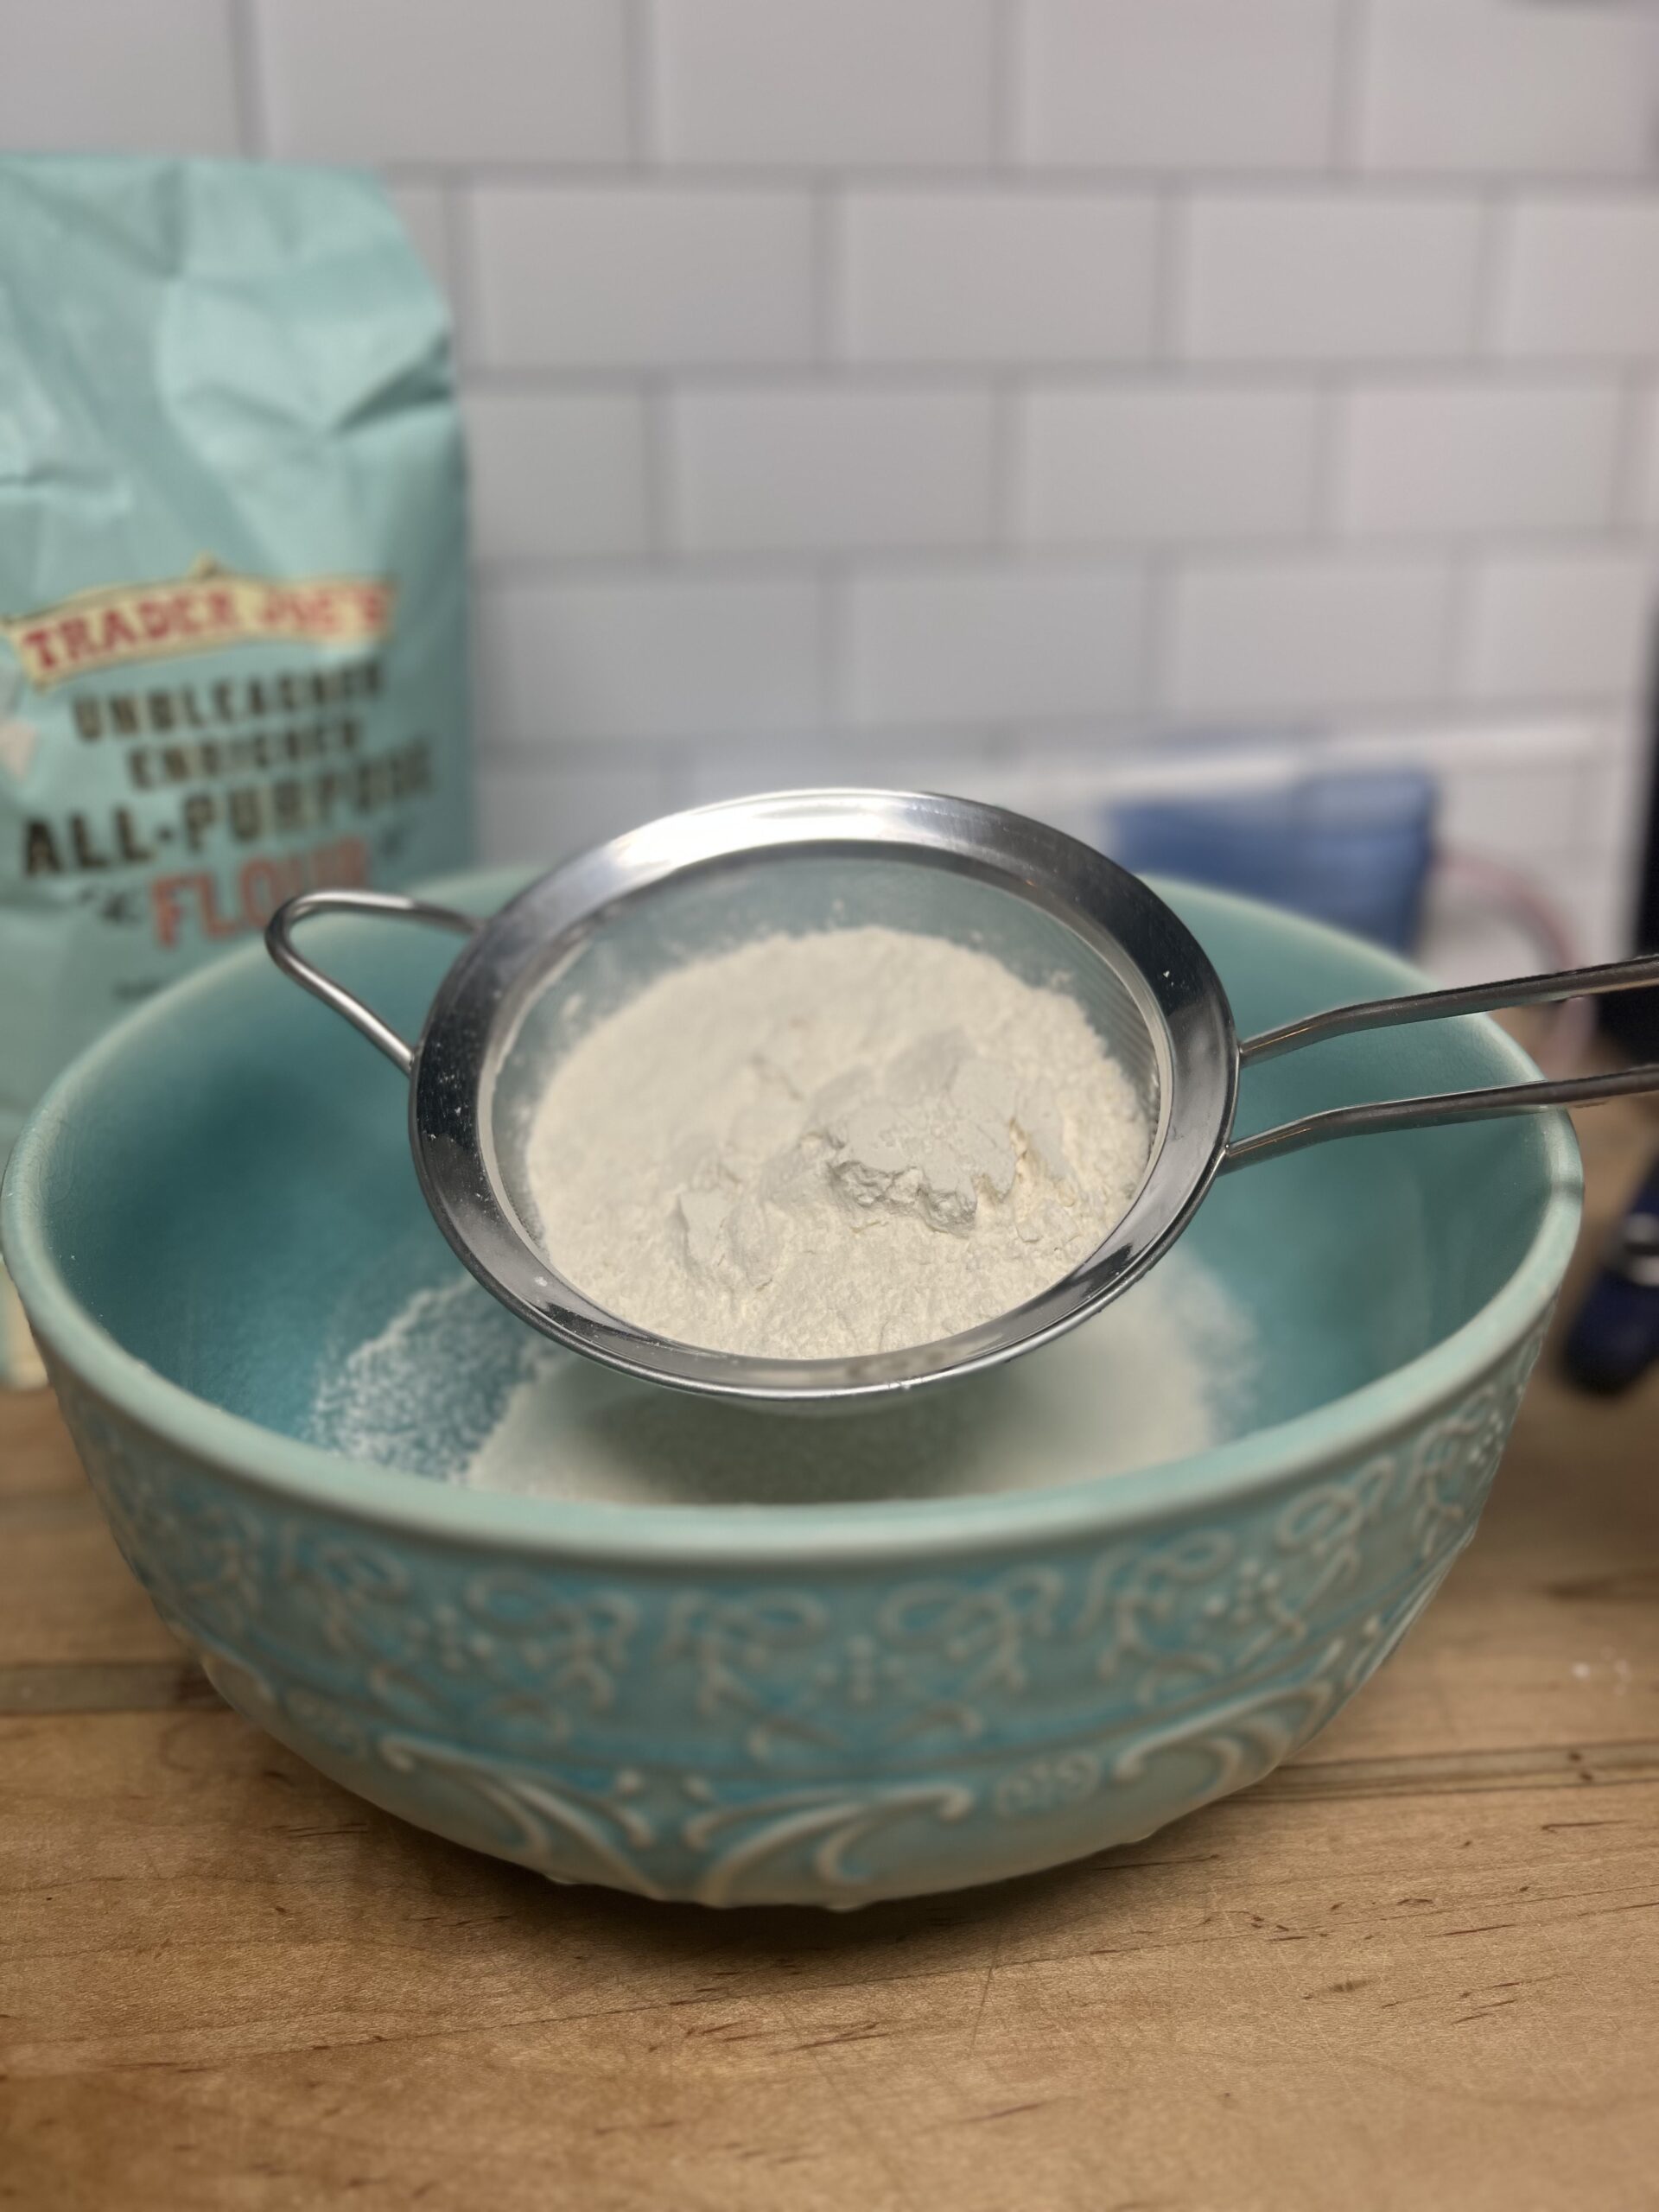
column 804, row 1537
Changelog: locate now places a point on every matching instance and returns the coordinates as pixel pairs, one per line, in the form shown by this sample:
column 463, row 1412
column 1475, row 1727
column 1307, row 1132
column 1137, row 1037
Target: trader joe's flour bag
column 233, row 621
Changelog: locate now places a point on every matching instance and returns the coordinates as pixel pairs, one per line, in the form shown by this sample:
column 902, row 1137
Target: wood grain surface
column 1417, row 1968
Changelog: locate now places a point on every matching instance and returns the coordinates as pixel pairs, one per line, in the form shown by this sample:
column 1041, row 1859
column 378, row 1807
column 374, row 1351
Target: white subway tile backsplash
column 1580, row 279
column 1514, row 789
column 1595, row 897
column 1512, row 813
column 978, row 393
column 1589, row 902
column 1530, row 810
column 1617, row 783
column 1158, row 463
column 105, row 75
column 823, row 468
column 1478, row 741
column 642, row 276
column 993, row 645
column 986, row 276
column 1330, row 277
column 1558, row 625
column 1467, row 85
column 544, row 812
column 425, row 215
column 1476, row 931
column 429, row 80
column 1178, row 84
column 881, row 760
column 1639, row 493
column 1306, row 637
column 811, row 83
column 651, row 657
column 1063, row 788
column 1071, row 794
column 1473, row 745
column 556, row 475
column 1469, row 459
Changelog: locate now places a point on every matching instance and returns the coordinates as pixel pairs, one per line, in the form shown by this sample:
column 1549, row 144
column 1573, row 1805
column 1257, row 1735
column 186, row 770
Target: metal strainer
column 583, row 940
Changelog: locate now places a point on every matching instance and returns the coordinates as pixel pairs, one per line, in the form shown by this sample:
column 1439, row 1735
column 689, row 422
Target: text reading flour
column 818, row 1146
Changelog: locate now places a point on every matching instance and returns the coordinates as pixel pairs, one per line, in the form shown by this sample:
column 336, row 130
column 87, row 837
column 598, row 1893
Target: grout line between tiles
column 1497, row 228
column 1456, row 648
column 1353, row 25
column 1635, row 454
column 1010, row 32
column 1007, row 466
column 827, row 276
column 1462, row 732
column 638, row 49
column 1034, row 558
column 1290, row 182
column 1121, row 372
column 1155, row 676
column 836, row 644
column 1172, row 250
column 658, row 432
column 465, row 305
column 1329, row 435
column 247, row 79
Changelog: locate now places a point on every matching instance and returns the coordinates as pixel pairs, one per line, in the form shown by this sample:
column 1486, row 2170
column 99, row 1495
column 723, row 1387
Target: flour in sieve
column 822, row 1146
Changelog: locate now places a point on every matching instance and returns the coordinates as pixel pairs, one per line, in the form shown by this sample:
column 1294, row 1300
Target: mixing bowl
column 773, row 1703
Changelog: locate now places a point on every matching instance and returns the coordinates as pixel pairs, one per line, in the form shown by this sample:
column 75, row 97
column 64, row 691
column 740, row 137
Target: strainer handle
column 1449, row 1105
column 389, row 906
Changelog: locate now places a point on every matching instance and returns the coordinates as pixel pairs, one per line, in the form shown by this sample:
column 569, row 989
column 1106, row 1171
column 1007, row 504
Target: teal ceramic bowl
column 773, row 1703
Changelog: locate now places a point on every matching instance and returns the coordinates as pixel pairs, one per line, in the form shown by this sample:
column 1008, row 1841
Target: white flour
column 1165, row 1372
column 456, row 1388
column 816, row 1147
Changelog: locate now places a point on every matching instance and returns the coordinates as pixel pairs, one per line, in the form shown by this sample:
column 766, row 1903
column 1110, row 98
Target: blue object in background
column 1353, row 850
column 1615, row 1339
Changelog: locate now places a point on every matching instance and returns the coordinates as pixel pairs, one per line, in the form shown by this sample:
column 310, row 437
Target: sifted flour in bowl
column 816, row 1147
column 456, row 1388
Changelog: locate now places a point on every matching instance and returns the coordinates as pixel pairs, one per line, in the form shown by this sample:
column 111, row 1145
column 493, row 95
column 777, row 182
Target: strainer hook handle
column 389, row 906
column 1451, row 1105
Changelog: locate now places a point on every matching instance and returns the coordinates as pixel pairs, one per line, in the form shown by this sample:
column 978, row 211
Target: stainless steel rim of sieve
column 1130, row 949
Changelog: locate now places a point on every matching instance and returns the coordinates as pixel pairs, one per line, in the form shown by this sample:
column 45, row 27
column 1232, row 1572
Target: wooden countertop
column 1417, row 1968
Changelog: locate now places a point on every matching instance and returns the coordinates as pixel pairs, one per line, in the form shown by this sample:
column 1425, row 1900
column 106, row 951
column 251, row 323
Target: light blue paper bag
column 233, row 594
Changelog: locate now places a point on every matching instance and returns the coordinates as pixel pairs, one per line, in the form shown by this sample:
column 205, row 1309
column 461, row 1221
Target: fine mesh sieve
column 580, row 942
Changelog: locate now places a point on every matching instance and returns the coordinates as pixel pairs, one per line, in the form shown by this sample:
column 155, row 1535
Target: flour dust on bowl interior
column 722, row 1693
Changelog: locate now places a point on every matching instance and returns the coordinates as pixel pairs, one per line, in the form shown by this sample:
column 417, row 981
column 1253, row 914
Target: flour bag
column 232, row 610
